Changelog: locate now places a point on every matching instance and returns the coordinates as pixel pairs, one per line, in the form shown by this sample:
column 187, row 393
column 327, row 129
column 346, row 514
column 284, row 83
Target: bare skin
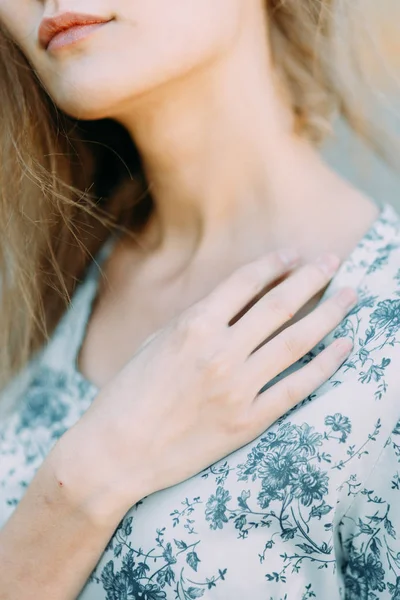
column 130, row 308
column 206, row 396
column 231, row 183
column 214, row 128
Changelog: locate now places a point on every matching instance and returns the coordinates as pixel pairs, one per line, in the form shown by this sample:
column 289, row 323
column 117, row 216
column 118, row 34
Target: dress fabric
column 310, row 509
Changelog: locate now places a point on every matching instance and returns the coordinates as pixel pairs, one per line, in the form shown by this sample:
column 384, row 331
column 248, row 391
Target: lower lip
column 73, row 35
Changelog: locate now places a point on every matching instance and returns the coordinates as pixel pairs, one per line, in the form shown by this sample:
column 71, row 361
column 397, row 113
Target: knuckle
column 239, row 426
column 331, row 313
column 273, row 260
column 218, row 365
column 345, row 299
column 291, row 345
column 291, row 396
column 323, row 367
column 251, row 276
column 278, row 308
column 277, row 263
column 336, row 312
column 194, row 323
column 317, row 273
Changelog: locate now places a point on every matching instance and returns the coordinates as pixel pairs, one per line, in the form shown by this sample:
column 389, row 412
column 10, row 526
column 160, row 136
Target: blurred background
column 350, row 157
column 358, row 164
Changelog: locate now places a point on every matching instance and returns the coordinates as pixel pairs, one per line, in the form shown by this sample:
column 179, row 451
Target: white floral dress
column 310, row 509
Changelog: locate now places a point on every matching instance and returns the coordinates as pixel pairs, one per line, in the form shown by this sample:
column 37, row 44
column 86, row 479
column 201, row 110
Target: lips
column 50, row 28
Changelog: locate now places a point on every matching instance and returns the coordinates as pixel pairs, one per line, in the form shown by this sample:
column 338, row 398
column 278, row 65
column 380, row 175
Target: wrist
column 89, row 484
column 56, row 535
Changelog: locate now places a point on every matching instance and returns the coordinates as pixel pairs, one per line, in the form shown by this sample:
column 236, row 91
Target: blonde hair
column 55, row 209
column 328, row 54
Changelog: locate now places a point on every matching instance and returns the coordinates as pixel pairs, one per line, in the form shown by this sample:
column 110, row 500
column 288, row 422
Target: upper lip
column 50, row 27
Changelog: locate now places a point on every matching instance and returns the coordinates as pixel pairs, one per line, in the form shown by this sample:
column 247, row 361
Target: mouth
column 68, row 28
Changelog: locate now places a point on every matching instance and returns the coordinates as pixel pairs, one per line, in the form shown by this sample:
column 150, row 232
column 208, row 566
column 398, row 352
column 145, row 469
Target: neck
column 219, row 153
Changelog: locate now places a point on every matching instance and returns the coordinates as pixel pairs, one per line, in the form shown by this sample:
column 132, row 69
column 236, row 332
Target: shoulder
column 382, row 259
column 374, row 324
column 347, row 422
column 375, row 262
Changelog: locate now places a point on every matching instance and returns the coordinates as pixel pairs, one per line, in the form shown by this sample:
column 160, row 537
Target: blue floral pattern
column 307, row 510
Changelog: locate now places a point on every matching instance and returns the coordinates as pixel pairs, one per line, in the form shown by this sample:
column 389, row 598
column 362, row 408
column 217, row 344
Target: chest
column 245, row 526
column 123, row 319
column 121, row 322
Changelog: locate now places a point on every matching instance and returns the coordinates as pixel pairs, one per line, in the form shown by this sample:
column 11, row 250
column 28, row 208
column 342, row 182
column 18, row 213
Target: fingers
column 295, row 341
column 280, row 304
column 284, row 395
column 233, row 294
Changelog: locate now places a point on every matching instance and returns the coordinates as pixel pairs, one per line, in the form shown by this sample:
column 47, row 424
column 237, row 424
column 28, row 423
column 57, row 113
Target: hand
column 190, row 395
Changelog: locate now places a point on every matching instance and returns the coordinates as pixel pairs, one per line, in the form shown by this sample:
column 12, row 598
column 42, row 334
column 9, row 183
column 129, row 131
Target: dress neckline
column 72, row 329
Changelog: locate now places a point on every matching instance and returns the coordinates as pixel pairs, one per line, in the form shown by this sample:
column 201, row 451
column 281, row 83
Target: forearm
column 53, row 541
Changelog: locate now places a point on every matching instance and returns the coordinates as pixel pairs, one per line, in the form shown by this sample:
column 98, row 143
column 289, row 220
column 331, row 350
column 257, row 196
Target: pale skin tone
column 194, row 85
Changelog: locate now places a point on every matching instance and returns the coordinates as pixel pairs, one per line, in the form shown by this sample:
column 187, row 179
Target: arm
column 56, row 535
column 130, row 444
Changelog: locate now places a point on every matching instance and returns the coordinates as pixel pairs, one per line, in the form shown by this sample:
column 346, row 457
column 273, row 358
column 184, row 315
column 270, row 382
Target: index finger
column 248, row 282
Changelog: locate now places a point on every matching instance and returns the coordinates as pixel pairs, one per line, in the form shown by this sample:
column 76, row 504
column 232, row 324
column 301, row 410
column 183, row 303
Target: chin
column 90, row 102
column 93, row 93
column 98, row 89
column 104, row 81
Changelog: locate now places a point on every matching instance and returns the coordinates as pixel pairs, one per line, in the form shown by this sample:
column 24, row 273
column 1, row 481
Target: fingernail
column 290, row 256
column 328, row 263
column 347, row 298
column 344, row 346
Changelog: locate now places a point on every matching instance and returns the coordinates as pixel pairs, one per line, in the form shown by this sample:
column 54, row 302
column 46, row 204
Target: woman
column 179, row 347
